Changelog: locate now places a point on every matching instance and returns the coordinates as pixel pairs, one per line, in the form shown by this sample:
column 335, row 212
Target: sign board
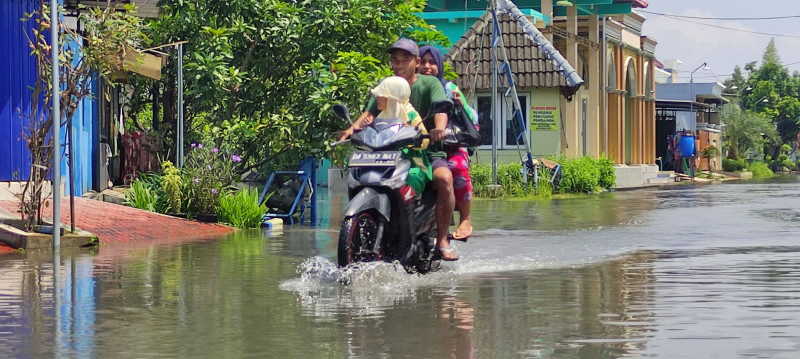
column 544, row 118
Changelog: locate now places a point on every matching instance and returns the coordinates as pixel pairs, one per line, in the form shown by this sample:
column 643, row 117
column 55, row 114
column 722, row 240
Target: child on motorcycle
column 392, row 96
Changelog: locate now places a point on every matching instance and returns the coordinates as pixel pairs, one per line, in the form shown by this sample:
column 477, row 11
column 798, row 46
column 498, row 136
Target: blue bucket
column 686, row 146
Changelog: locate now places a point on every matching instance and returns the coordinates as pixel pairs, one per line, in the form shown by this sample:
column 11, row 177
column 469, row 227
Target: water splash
column 358, row 290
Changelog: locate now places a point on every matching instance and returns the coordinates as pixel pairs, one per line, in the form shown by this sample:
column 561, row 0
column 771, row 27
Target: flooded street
column 686, row 271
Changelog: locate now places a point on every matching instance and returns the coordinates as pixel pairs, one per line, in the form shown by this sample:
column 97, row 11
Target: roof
column 529, row 63
column 710, row 92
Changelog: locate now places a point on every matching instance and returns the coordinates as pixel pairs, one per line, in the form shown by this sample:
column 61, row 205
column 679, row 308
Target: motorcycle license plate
column 380, row 158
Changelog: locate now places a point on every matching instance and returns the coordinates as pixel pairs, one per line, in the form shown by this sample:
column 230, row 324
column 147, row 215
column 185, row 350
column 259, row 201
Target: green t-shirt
column 425, row 91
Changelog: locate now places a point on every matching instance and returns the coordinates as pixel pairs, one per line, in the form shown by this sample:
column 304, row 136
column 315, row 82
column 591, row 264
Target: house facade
column 612, row 114
column 692, row 108
column 96, row 123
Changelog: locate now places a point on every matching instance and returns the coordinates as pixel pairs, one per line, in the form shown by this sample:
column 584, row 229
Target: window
column 508, row 133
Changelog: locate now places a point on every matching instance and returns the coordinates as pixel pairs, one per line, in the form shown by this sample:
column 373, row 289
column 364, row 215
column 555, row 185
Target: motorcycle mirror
column 342, row 112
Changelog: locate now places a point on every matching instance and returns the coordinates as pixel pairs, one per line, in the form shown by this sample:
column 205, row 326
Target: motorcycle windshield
column 378, row 138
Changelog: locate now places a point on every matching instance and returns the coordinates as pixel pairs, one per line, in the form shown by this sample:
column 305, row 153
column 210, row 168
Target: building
column 612, row 114
column 95, row 123
column 691, row 108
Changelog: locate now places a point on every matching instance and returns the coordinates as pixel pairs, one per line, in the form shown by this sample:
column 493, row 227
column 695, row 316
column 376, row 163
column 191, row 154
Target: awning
column 680, row 105
column 143, row 64
column 140, row 62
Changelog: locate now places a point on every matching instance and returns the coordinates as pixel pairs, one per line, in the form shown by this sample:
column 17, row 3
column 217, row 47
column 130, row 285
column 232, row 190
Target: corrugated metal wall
column 17, row 75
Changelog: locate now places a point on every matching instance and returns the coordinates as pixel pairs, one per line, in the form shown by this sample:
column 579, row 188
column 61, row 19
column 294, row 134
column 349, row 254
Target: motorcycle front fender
column 369, row 198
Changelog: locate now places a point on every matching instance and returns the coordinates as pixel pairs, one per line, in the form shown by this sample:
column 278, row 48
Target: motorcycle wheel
column 357, row 239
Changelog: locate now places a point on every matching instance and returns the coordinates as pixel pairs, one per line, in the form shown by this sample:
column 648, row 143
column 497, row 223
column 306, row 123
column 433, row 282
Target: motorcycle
column 385, row 220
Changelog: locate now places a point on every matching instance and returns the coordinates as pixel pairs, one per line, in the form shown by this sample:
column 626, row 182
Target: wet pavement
column 688, row 271
column 113, row 223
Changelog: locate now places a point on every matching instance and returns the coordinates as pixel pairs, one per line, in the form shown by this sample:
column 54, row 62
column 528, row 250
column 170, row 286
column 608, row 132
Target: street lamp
column 703, row 66
column 763, row 99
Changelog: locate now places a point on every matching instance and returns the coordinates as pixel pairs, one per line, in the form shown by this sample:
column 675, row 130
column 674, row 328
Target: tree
column 261, row 74
column 745, row 131
column 786, row 115
column 98, row 51
column 770, row 55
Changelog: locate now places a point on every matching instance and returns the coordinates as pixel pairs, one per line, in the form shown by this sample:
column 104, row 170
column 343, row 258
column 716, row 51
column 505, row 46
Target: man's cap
column 407, row 45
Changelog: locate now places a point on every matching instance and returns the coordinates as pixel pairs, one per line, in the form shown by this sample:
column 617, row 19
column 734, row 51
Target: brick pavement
column 113, row 223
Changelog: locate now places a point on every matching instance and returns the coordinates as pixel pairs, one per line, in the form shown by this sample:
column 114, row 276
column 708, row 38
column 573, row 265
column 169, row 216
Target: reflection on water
column 687, row 271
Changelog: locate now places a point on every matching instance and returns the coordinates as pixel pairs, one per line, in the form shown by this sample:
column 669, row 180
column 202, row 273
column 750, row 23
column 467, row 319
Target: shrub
column 208, row 174
column 760, row 169
column 509, row 176
column 580, row 175
column 730, row 165
column 241, row 209
column 481, row 177
column 608, row 175
column 171, row 186
column 146, row 193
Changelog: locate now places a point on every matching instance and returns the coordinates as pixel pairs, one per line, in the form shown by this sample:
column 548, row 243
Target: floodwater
column 686, row 271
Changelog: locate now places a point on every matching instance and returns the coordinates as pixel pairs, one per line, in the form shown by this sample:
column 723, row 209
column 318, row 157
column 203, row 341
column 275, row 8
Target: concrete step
column 659, row 180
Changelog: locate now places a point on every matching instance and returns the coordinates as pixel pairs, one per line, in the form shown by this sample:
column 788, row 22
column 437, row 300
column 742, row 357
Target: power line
column 730, row 28
column 721, row 18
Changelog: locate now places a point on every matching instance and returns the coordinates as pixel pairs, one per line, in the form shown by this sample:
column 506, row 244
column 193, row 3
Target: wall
column 17, row 74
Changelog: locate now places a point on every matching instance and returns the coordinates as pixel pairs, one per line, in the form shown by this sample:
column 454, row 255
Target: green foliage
column 760, row 169
column 241, row 209
column 481, row 175
column 743, row 131
column 509, row 176
column 585, row 174
column 708, row 153
column 209, row 172
column 263, row 74
column 770, row 55
column 731, row 165
column 145, row 193
column 580, row 175
column 172, row 186
column 772, row 82
column 608, row 175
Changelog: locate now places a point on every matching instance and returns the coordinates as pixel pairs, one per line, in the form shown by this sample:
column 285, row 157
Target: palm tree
column 744, row 131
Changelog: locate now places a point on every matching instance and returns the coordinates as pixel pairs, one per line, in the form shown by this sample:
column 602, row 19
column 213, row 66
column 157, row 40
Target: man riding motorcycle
column 425, row 90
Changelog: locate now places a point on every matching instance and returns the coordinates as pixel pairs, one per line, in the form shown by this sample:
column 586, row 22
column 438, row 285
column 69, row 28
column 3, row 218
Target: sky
column 693, row 43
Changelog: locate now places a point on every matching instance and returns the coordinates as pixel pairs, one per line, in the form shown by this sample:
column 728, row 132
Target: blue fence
column 17, row 76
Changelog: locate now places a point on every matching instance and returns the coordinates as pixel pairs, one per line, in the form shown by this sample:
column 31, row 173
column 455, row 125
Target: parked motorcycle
column 385, row 220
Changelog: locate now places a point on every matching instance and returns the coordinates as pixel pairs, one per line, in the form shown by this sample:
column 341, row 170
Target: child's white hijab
column 397, row 92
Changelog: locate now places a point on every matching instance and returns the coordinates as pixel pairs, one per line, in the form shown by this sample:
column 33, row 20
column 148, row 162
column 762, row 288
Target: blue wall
column 17, row 75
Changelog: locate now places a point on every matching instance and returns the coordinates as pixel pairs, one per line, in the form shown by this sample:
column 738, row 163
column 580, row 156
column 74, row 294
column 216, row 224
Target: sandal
column 461, row 237
column 447, row 254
